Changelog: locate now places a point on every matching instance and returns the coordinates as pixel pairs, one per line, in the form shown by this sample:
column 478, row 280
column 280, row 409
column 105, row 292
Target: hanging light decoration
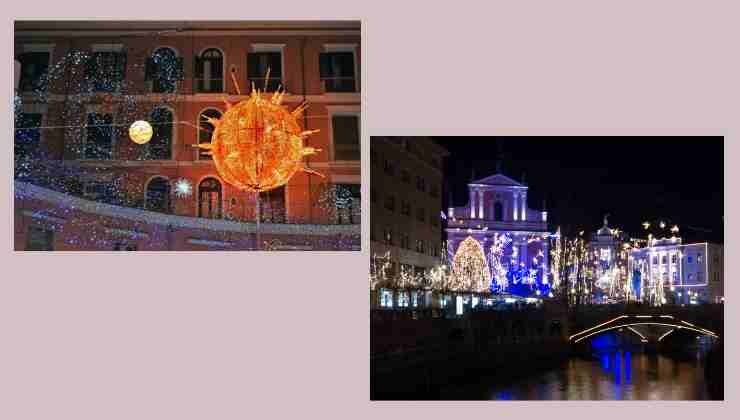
column 257, row 144
column 140, row 132
column 183, row 188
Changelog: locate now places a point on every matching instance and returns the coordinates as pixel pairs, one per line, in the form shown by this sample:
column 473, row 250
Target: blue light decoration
column 522, row 281
column 636, row 280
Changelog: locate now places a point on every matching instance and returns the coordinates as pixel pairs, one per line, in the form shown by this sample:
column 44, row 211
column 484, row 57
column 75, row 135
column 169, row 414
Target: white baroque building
column 679, row 273
column 498, row 206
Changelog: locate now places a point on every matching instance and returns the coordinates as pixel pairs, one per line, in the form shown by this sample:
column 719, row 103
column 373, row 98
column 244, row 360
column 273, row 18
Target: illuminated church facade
column 512, row 237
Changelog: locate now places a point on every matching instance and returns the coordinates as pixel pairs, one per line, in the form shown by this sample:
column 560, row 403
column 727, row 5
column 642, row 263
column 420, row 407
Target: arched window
column 209, row 69
column 160, row 146
column 158, row 195
column 206, row 130
column 164, row 68
column 209, row 198
column 498, row 211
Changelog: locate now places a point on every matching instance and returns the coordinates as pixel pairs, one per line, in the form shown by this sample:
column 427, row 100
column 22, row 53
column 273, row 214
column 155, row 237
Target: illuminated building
column 84, row 83
column 513, row 237
column 405, row 223
column 608, row 256
column 666, row 269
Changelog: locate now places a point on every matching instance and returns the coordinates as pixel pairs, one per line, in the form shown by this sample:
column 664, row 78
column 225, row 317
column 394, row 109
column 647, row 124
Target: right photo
column 546, row 268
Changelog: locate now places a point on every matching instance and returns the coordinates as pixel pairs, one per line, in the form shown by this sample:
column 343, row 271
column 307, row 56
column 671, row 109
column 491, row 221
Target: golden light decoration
column 470, row 272
column 257, row 144
column 140, row 132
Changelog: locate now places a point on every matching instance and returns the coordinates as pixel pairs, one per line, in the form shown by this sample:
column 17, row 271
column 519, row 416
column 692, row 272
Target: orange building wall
column 303, row 190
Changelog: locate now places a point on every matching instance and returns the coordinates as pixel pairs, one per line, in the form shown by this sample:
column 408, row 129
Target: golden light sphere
column 257, row 144
column 140, row 132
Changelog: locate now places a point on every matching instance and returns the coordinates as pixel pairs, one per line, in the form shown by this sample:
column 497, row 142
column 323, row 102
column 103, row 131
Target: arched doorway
column 158, row 195
column 209, row 198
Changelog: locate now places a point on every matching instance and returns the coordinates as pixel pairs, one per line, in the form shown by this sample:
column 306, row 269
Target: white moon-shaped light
column 140, row 132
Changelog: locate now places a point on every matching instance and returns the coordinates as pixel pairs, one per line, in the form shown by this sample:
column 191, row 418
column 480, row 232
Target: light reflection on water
column 612, row 375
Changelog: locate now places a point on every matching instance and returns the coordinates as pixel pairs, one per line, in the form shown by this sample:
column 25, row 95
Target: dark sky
column 634, row 179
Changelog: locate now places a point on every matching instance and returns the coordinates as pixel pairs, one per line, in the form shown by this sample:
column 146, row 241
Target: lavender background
column 285, row 335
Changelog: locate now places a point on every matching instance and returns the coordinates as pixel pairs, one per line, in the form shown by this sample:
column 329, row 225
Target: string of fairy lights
column 580, row 272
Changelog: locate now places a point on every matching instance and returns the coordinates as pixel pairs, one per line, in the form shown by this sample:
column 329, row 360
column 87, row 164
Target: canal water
column 609, row 374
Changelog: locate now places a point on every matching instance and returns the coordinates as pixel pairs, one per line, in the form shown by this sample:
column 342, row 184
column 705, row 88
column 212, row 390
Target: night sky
column 634, row 179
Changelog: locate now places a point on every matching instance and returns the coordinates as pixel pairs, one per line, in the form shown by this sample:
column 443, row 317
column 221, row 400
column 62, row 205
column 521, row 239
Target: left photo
column 187, row 135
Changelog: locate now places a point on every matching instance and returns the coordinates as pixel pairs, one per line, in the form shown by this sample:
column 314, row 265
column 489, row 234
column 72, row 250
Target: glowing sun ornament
column 257, row 144
column 140, row 132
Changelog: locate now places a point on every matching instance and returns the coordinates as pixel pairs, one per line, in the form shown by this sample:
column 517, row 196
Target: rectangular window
column 389, row 168
column 390, row 203
column 39, row 239
column 405, row 176
column 664, row 259
column 27, row 140
column 346, row 134
column 405, row 241
column 105, row 71
column 34, row 69
column 99, row 141
column 674, row 258
column 698, row 258
column 689, row 260
column 405, row 208
column 420, row 214
column 337, row 71
column 388, row 236
column 386, row 298
column 257, row 65
column 421, row 184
